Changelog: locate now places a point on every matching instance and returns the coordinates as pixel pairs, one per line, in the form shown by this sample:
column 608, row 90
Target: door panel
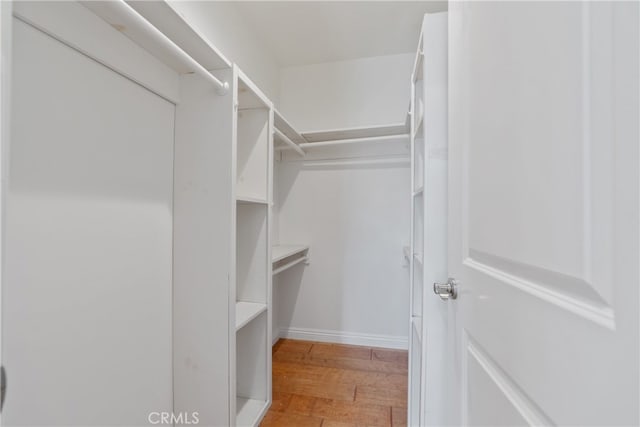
column 87, row 285
column 544, row 211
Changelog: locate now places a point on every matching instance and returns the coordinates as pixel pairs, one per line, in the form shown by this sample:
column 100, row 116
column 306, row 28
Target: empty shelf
column 250, row 199
column 249, row 411
column 247, row 311
column 357, row 133
column 280, row 252
column 286, row 256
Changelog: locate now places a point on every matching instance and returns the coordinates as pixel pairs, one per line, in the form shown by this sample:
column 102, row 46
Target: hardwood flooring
column 333, row 385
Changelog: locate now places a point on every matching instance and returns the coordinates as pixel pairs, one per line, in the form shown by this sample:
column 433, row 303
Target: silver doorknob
column 447, row 290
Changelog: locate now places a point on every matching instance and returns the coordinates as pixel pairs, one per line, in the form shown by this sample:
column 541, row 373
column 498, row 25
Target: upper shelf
column 249, row 94
column 169, row 22
column 285, row 127
column 357, row 133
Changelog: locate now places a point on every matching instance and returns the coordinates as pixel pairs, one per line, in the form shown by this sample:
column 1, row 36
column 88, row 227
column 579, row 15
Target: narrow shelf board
column 356, row 133
column 289, row 265
column 247, row 311
column 407, row 253
column 418, row 191
column 279, row 252
column 251, row 199
column 286, row 128
column 249, row 412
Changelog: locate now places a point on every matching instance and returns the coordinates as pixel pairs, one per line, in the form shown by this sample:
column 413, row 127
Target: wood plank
column 388, row 355
column 339, row 351
column 280, row 419
column 352, row 412
column 380, row 395
column 280, row 401
column 398, row 417
column 295, row 385
column 355, row 364
column 301, row 405
column 342, row 386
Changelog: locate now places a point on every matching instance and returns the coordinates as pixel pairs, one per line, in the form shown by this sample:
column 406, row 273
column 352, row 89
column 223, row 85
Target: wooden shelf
column 247, row 311
column 249, row 412
column 251, row 200
column 249, row 95
column 357, row 133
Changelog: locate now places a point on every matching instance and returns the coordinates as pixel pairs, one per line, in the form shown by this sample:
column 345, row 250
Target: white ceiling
column 310, row 32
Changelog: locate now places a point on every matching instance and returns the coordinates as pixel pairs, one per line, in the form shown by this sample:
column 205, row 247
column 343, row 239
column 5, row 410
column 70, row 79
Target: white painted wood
column 164, row 16
column 250, row 351
column 122, row 16
column 280, row 137
column 88, row 261
column 204, row 248
column 78, row 27
column 286, row 128
column 426, row 403
column 356, row 133
column 279, row 252
column 252, row 151
column 543, row 209
column 5, row 121
column 247, row 311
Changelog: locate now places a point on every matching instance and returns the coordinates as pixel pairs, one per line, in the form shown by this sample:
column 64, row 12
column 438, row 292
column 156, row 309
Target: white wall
column 354, row 93
column 226, row 28
column 356, row 218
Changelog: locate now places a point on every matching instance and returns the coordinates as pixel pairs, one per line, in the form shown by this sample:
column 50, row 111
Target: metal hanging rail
column 221, row 87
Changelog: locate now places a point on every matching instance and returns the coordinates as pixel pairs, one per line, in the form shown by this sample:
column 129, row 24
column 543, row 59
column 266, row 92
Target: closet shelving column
column 251, row 307
column 416, row 252
column 285, row 256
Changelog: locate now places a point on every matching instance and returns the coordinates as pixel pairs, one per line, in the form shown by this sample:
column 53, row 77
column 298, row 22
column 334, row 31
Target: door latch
column 447, row 290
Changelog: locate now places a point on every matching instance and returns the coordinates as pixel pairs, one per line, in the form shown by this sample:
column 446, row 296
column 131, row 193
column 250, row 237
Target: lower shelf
column 247, row 311
column 249, row 412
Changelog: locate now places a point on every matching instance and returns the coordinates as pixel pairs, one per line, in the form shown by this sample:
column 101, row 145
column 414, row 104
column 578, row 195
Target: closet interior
column 269, row 222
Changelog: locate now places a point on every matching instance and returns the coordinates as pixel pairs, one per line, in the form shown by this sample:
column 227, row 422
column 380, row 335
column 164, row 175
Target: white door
column 87, row 271
column 543, row 186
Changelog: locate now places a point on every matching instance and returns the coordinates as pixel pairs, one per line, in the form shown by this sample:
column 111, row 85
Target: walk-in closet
column 225, row 213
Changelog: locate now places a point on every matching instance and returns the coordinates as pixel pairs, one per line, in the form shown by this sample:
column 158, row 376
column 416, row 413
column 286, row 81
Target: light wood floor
column 332, row 385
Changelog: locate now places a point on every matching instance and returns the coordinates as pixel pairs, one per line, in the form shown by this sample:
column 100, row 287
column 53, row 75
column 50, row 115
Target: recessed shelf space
column 252, row 378
column 286, row 256
column 251, row 253
column 247, row 311
column 252, row 155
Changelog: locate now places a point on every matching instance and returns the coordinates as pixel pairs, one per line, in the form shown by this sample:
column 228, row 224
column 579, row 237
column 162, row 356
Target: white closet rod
column 289, row 142
column 353, row 141
column 221, row 87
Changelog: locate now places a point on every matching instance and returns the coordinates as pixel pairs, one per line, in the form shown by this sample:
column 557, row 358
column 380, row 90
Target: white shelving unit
column 416, row 265
column 251, row 354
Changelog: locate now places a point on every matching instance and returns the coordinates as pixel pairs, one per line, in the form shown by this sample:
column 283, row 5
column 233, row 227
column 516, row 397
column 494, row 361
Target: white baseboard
column 340, row 337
